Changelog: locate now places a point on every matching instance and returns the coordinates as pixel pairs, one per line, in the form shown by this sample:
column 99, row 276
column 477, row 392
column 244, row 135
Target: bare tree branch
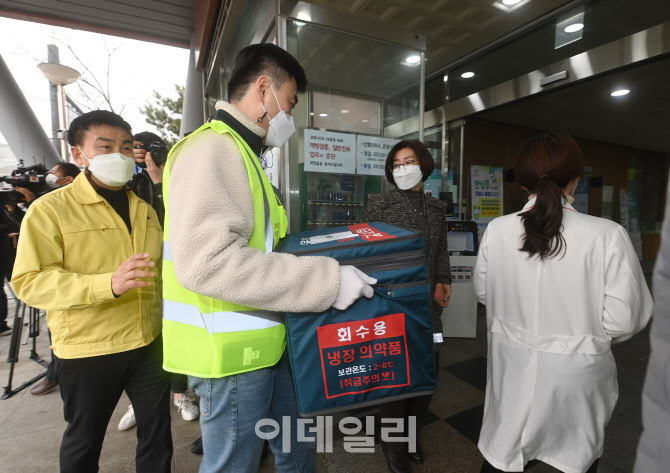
column 97, row 93
column 97, row 85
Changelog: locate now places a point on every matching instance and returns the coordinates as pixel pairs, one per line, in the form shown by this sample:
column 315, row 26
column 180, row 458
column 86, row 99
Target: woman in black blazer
column 408, row 165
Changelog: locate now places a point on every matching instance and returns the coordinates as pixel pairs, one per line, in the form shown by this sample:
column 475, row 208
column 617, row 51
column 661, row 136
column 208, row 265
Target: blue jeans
column 230, row 407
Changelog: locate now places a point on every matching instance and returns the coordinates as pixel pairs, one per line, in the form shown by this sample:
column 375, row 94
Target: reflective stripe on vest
column 167, row 252
column 220, row 322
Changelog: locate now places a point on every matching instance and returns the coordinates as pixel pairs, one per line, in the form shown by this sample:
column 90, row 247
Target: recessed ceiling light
column 573, row 28
column 468, row 75
column 365, row 121
column 509, row 3
column 620, row 92
column 413, row 59
column 303, row 16
column 344, row 111
column 323, row 114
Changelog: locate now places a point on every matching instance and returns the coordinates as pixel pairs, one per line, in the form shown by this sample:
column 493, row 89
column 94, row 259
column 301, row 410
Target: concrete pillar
column 53, row 57
column 193, row 111
column 19, row 125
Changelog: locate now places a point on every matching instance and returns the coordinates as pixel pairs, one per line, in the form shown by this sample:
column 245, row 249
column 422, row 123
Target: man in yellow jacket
column 90, row 254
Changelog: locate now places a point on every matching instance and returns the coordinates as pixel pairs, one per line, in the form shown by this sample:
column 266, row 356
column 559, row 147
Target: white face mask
column 114, row 169
column 52, row 181
column 281, row 126
column 407, row 177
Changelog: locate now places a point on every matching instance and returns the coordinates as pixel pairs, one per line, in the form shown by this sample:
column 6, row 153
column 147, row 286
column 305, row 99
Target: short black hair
column 79, row 125
column 264, row 59
column 426, row 161
column 68, row 169
column 147, row 137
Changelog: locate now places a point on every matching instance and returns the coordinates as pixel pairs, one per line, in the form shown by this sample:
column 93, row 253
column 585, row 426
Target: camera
column 31, row 177
column 158, row 152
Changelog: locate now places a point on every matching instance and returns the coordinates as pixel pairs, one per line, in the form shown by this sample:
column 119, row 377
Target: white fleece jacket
column 210, row 207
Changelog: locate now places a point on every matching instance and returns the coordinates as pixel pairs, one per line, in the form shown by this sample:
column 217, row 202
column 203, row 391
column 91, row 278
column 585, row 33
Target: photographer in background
column 60, row 175
column 10, row 222
column 7, row 253
column 150, row 154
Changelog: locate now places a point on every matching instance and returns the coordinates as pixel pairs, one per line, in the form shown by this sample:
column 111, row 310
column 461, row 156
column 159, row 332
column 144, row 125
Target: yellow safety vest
column 211, row 338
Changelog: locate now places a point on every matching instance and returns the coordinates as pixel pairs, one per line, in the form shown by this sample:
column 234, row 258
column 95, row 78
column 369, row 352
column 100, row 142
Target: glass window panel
column 340, row 112
column 356, row 86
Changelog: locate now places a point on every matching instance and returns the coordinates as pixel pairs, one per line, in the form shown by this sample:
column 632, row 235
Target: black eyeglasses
column 409, row 162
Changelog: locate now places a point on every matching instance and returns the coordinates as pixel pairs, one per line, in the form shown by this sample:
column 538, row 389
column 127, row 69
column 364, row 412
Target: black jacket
column 16, row 215
column 7, row 251
column 394, row 208
column 142, row 185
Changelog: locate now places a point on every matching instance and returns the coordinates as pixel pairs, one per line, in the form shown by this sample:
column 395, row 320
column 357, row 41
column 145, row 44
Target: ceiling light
column 468, row 75
column 620, row 92
column 573, row 28
column 303, row 16
column 508, row 6
column 446, row 77
column 365, row 121
column 311, row 113
column 323, row 114
column 413, row 59
column 569, row 28
column 344, row 111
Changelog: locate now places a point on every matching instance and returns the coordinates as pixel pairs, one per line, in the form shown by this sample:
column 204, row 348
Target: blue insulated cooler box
column 378, row 350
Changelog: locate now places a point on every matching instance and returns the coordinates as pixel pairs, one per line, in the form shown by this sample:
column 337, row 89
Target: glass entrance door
column 357, row 88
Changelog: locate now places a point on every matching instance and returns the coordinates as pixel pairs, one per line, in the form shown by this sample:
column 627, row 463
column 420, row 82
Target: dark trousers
column 413, row 406
column 51, row 369
column 488, row 468
column 91, row 388
column 3, row 296
column 179, row 383
column 404, row 409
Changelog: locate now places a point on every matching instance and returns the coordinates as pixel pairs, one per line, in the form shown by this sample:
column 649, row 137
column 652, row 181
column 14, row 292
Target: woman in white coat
column 559, row 288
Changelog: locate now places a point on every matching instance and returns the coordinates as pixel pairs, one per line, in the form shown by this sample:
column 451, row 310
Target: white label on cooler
column 315, row 240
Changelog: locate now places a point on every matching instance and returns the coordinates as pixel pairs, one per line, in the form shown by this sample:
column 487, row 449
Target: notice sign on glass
column 372, row 153
column 326, row 151
column 487, row 195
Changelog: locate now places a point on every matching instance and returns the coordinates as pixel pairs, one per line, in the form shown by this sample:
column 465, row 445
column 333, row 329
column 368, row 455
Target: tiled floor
column 31, row 427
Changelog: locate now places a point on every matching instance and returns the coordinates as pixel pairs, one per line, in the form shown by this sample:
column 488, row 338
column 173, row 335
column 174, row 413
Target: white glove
column 354, row 283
